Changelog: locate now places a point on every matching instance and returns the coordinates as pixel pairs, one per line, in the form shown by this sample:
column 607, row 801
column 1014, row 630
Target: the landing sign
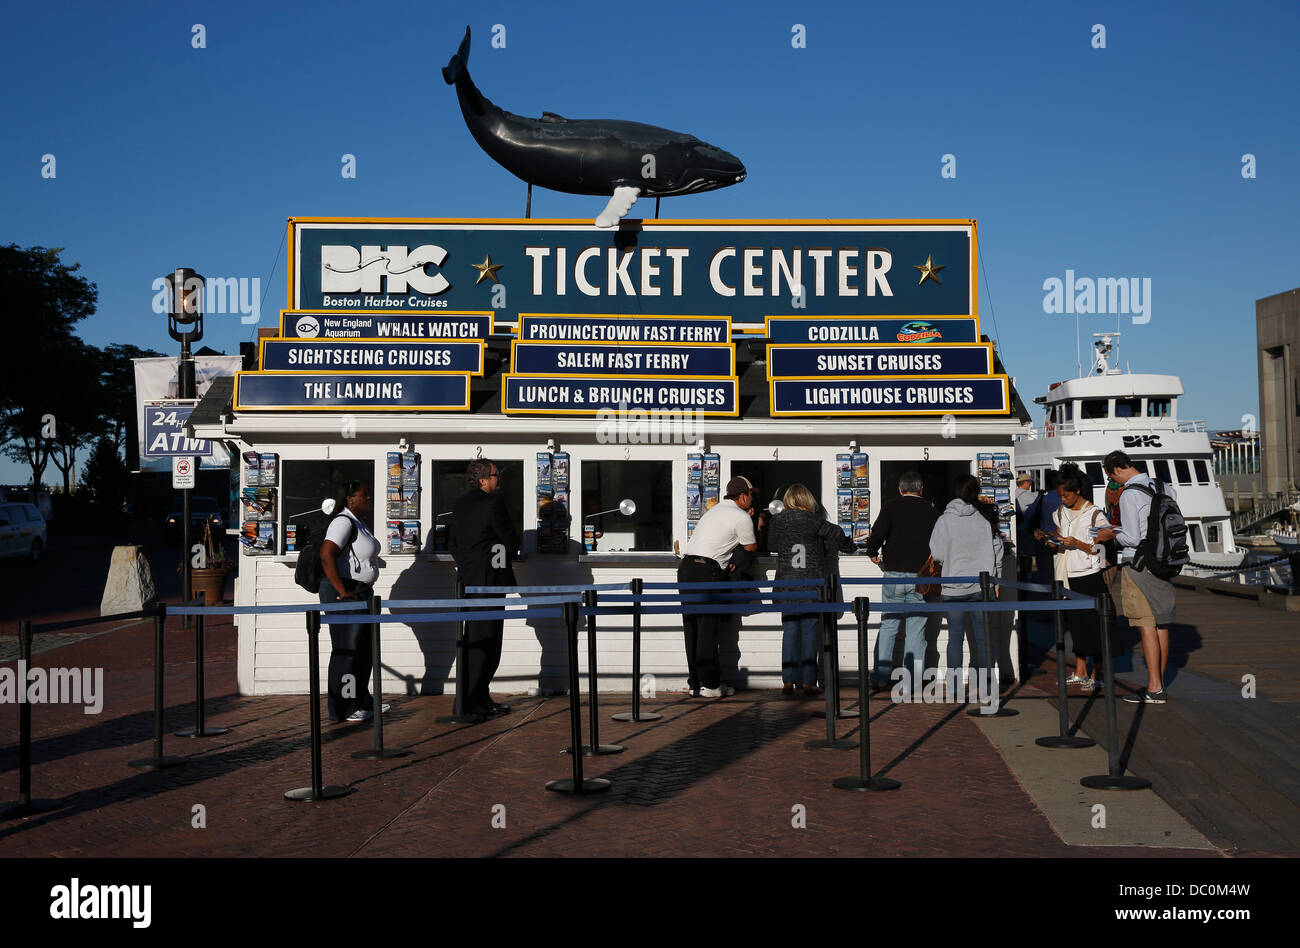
column 862, row 329
column 547, row 395
column 747, row 269
column 299, row 391
column 895, row 396
column 813, row 361
column 318, row 355
column 435, row 325
column 603, row 358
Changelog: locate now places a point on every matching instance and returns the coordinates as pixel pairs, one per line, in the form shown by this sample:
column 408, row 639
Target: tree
column 105, row 478
column 78, row 406
column 41, row 300
column 117, row 375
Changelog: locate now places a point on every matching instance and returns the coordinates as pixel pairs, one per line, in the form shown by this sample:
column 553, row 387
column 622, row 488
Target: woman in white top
column 1079, row 562
column 349, row 559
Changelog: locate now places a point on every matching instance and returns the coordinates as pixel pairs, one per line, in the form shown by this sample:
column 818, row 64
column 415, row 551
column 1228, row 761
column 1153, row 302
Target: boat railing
column 1104, row 426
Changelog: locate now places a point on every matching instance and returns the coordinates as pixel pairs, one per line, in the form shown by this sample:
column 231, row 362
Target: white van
column 22, row 532
column 39, row 497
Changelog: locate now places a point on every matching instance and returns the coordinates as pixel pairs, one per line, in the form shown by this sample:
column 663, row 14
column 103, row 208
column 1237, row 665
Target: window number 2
column 478, row 451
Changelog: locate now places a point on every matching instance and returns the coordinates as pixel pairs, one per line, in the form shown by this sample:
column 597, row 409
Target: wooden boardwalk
column 1226, row 761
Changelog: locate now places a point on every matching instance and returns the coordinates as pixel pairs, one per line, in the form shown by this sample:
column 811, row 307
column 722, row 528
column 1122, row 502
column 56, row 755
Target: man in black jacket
column 483, row 542
column 903, row 528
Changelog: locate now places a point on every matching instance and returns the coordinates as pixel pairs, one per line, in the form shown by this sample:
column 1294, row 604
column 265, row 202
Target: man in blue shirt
column 1147, row 600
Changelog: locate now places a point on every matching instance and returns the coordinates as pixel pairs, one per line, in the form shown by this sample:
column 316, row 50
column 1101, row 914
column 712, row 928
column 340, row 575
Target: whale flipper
column 618, row 206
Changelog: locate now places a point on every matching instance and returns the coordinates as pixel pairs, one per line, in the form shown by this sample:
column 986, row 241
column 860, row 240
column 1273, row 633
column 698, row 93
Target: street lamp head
column 185, row 304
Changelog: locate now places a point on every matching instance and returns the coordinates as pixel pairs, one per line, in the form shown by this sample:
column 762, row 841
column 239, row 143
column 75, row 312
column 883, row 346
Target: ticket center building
column 653, row 363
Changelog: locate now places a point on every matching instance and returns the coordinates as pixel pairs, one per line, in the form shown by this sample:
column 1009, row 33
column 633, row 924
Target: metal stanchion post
column 864, row 780
column 577, row 784
column 458, row 714
column 595, row 748
column 316, row 791
column 1114, row 778
column 378, row 752
column 25, row 806
column 830, row 742
column 199, row 730
column 1064, row 739
column 990, row 660
column 831, row 623
column 158, row 761
column 637, row 714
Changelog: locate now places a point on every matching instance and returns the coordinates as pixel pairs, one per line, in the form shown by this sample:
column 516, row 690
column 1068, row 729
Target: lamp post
column 185, row 325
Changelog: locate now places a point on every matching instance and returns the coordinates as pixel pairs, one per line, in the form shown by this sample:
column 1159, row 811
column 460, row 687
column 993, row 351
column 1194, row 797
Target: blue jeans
column 957, row 633
column 800, row 646
column 913, row 630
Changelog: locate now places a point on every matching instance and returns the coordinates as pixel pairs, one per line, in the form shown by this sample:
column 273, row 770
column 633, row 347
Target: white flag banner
column 158, row 379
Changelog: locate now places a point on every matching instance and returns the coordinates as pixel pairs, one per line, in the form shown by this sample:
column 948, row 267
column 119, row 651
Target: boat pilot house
column 650, row 363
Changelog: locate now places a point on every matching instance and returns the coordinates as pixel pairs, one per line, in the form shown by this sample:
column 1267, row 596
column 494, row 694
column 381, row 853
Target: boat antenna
column 1078, row 347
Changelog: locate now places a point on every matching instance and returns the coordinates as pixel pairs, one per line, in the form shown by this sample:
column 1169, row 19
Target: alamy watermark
column 1104, row 296
column 636, row 426
column 221, row 296
column 83, row 686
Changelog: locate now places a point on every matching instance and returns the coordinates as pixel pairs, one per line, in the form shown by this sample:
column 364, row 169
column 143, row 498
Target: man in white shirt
column 1147, row 600
column 723, row 527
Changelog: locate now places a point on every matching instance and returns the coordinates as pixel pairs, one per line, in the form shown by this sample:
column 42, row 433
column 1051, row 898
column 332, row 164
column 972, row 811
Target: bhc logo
column 344, row 269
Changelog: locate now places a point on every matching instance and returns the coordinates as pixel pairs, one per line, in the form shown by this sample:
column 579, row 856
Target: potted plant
column 211, row 580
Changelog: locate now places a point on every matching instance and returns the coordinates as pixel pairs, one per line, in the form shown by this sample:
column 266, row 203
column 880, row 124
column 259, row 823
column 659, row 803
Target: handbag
column 932, row 567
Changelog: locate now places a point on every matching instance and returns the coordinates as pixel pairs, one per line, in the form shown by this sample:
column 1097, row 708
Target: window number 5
column 927, row 454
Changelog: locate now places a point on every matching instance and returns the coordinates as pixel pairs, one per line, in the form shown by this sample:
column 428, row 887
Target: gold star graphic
column 487, row 270
column 929, row 271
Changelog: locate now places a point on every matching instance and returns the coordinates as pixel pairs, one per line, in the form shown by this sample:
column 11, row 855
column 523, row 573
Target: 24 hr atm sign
column 749, row 269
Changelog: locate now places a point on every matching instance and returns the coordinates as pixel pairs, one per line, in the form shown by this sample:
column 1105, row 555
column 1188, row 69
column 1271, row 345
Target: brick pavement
column 713, row 778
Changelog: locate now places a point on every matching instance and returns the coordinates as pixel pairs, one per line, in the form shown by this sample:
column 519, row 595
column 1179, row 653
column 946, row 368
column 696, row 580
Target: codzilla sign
column 345, row 269
column 1142, row 441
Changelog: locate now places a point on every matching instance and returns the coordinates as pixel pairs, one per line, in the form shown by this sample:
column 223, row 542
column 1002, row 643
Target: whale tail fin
column 458, row 63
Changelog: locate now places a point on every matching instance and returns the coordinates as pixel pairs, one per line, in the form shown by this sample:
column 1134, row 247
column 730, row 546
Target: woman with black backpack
column 349, row 559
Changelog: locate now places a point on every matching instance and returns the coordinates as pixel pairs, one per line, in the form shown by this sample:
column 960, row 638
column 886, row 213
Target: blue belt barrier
column 545, row 589
column 702, row 597
column 740, row 607
column 260, row 610
column 479, row 603
column 902, row 580
column 416, row 618
column 775, row 584
column 1025, row 587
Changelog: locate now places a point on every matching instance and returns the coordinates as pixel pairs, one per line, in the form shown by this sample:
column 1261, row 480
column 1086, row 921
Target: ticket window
column 649, row 484
column 773, row 478
column 936, row 478
column 305, row 484
column 447, row 481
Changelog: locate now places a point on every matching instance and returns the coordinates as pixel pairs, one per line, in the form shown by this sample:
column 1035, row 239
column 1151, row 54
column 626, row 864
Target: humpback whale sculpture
column 590, row 156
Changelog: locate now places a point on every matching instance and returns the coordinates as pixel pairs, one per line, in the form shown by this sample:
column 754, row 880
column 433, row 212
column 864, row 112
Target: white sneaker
column 721, row 691
column 1075, row 680
column 359, row 715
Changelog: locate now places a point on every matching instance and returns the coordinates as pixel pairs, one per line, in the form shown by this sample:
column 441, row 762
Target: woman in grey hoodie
column 967, row 544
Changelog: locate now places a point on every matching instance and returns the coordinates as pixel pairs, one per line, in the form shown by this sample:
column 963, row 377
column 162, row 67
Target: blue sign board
column 316, row 355
column 749, row 270
column 897, row 396
column 164, row 435
column 546, row 395
column 817, row 361
column 323, row 392
column 654, row 329
column 860, row 330
column 603, row 358
column 429, row 325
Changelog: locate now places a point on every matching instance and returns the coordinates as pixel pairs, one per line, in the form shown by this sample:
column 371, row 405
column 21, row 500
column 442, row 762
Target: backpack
column 308, row 572
column 1163, row 551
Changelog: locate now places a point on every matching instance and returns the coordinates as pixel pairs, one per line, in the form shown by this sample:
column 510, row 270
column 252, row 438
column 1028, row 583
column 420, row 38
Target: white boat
column 1288, row 544
column 1110, row 410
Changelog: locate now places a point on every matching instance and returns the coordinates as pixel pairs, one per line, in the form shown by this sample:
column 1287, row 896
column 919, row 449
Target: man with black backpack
column 1152, row 528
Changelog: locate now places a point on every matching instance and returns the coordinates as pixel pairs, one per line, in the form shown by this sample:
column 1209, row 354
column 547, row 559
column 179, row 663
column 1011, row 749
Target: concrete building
column 1277, row 330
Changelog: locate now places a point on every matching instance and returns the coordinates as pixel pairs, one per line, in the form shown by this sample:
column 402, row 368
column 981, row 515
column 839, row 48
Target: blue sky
column 1117, row 162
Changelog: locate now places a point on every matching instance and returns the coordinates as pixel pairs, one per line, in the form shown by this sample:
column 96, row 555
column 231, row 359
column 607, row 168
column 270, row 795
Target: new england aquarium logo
column 918, row 331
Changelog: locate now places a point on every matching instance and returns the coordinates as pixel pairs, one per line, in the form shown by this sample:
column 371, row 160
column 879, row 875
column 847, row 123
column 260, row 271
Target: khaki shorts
column 1134, row 603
